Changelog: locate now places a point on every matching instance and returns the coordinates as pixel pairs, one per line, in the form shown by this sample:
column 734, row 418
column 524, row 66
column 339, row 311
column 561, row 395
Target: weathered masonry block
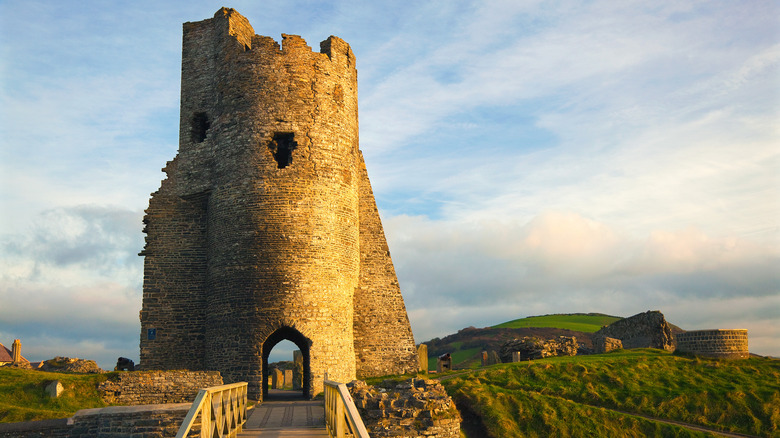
column 721, row 343
column 266, row 227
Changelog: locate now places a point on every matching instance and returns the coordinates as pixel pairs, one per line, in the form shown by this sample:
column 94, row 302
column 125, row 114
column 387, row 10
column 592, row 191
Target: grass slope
column 581, row 322
column 579, row 396
column 23, row 396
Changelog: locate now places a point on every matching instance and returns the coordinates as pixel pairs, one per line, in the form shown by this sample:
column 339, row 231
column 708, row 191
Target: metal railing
column 341, row 416
column 221, row 410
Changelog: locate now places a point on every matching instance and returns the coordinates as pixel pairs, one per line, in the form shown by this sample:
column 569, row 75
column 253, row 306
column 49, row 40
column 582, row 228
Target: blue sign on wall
column 151, row 334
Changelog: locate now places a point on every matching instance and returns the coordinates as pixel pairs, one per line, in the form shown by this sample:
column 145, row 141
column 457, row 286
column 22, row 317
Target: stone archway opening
column 303, row 344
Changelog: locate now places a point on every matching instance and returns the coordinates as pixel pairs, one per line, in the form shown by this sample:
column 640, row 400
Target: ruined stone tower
column 266, row 227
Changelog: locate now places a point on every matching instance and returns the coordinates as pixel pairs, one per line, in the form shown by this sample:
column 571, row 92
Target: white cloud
column 72, row 284
column 494, row 271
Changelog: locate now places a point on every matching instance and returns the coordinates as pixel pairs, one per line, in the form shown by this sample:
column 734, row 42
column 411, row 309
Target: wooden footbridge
column 221, row 411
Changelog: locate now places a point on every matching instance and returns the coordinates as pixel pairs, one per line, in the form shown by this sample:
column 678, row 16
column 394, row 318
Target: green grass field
column 580, row 395
column 23, row 398
column 589, row 323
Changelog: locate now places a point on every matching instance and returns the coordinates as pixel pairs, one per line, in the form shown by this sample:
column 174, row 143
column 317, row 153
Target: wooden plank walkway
column 282, row 417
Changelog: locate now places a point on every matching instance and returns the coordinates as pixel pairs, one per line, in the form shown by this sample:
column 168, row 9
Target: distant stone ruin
column 74, row 365
column 266, row 228
column 605, row 344
column 719, row 343
column 643, row 330
column 529, row 348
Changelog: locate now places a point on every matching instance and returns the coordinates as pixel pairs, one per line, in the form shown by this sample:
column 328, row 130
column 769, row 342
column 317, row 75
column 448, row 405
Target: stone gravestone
column 297, row 378
column 490, row 358
column 278, row 378
column 54, row 389
column 422, row 358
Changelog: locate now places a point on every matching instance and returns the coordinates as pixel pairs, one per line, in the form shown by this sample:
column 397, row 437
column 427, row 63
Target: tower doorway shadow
column 303, row 344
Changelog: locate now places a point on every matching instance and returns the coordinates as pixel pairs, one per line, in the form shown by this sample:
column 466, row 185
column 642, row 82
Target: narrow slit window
column 199, row 127
column 282, row 147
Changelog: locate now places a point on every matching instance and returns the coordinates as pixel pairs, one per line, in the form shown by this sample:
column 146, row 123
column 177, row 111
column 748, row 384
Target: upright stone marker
column 422, row 358
column 16, row 352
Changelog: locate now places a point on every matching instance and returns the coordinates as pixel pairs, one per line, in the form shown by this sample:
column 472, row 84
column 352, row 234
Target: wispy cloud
column 73, row 282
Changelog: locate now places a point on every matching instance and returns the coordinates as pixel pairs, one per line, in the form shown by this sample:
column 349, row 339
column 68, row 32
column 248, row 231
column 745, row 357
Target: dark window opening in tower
column 199, row 127
column 282, row 146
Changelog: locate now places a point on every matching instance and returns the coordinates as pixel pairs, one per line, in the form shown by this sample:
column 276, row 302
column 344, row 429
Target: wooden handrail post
column 341, row 413
column 221, row 408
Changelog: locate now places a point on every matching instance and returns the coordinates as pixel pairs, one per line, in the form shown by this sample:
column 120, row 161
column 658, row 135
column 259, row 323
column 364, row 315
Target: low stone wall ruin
column 409, row 409
column 720, row 343
column 605, row 344
column 156, row 387
column 529, row 348
column 151, row 421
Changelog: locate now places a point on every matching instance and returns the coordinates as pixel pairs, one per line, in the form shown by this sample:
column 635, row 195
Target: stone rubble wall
column 643, row 330
column 409, row 409
column 721, row 343
column 61, row 364
column 533, row 348
column 149, row 421
column 157, row 387
column 605, row 344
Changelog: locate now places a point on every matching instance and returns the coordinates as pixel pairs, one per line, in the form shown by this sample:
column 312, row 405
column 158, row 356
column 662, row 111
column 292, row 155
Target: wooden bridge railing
column 341, row 416
column 221, row 410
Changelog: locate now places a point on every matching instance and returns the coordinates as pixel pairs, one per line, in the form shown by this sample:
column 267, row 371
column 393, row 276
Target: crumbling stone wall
column 605, row 344
column 528, row 348
column 721, row 343
column 149, row 421
column 266, row 227
column 156, row 387
column 414, row 408
column 643, row 330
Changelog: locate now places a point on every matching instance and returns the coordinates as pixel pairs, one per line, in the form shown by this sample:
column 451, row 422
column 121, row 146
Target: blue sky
column 527, row 158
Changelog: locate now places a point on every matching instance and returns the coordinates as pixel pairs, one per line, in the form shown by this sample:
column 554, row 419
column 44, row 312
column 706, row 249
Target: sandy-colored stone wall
column 156, row 387
column 731, row 344
column 257, row 232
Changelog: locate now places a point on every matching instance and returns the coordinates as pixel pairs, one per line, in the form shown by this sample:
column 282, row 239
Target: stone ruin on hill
column 643, row 330
column 266, row 228
column 529, row 348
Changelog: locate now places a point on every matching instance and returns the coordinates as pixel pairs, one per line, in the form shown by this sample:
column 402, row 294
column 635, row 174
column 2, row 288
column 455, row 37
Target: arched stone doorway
column 303, row 344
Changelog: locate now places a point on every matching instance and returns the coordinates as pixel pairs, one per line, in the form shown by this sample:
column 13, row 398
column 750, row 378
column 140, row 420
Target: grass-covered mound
column 581, row 322
column 23, row 398
column 580, row 395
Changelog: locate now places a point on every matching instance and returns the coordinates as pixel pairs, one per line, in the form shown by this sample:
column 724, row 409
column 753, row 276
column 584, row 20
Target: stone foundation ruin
column 719, row 343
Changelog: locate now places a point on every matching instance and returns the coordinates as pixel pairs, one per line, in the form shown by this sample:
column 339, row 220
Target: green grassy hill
column 606, row 395
column 23, row 398
column 581, row 322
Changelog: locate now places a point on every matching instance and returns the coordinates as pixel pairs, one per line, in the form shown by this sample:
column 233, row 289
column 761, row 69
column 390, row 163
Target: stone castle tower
column 266, row 227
